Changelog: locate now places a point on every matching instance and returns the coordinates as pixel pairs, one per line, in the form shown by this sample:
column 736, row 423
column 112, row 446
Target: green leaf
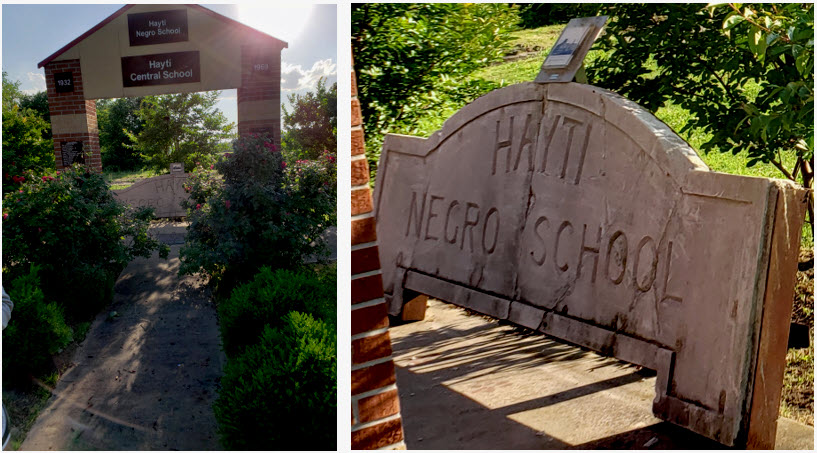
column 757, row 44
column 732, row 20
column 801, row 64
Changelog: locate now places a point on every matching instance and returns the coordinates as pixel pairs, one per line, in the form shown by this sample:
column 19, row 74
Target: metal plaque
column 161, row 69
column 64, row 82
column 157, row 27
column 72, row 153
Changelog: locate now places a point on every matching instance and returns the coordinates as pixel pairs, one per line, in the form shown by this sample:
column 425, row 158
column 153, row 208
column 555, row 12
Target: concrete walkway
column 469, row 382
column 145, row 378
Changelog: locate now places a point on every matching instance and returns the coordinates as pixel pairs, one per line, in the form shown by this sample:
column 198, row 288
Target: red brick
column 364, row 230
column 367, row 288
column 378, row 406
column 360, row 172
column 378, row 436
column 356, row 115
column 373, row 377
column 371, row 348
column 358, row 143
column 365, row 260
column 354, row 84
column 361, row 201
column 369, row 318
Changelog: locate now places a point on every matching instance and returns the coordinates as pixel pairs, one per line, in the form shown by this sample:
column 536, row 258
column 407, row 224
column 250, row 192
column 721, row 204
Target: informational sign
column 567, row 45
column 564, row 62
column 64, row 82
column 72, row 153
column 176, row 167
column 158, row 27
column 161, row 69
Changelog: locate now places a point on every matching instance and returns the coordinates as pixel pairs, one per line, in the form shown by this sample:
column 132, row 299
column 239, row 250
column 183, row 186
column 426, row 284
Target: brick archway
column 213, row 52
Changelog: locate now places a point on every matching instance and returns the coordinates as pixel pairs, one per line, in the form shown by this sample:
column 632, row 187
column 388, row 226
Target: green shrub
column 37, row 329
column 268, row 298
column 281, row 394
column 79, row 235
column 260, row 213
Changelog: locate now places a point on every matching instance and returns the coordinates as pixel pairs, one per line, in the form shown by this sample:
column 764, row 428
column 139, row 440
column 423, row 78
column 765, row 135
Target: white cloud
column 295, row 78
column 36, row 77
column 35, row 83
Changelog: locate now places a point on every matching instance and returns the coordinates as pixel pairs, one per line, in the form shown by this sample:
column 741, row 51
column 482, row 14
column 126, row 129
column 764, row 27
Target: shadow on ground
column 469, row 382
column 147, row 373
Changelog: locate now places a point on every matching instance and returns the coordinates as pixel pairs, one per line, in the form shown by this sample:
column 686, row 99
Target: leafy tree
column 535, row 15
column 11, row 92
column 413, row 57
column 180, row 128
column 38, row 102
column 117, row 118
column 312, row 126
column 744, row 72
column 27, row 144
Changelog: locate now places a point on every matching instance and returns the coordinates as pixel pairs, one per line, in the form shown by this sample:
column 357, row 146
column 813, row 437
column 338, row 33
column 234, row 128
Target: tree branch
column 767, row 30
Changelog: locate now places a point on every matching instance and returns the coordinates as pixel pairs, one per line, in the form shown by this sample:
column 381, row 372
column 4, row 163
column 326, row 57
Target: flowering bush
column 261, row 212
column 79, row 235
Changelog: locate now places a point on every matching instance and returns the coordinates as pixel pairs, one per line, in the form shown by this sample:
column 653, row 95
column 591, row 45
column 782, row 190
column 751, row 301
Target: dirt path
column 146, row 378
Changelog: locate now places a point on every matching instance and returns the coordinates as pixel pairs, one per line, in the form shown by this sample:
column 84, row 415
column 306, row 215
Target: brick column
column 73, row 119
column 259, row 98
column 376, row 421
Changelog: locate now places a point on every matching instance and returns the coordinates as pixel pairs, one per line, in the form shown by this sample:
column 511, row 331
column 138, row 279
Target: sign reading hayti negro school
column 157, row 27
column 567, row 209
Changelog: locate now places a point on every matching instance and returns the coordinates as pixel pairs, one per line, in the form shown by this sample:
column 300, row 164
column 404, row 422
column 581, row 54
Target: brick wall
column 259, row 98
column 82, row 124
column 376, row 421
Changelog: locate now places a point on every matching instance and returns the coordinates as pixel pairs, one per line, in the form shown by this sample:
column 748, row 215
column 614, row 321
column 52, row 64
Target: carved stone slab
column 571, row 210
column 164, row 193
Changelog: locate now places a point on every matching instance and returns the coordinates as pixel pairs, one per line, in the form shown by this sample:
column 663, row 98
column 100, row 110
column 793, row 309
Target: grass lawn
column 124, row 179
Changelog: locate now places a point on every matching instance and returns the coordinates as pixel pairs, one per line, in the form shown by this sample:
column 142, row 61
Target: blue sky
column 33, row 32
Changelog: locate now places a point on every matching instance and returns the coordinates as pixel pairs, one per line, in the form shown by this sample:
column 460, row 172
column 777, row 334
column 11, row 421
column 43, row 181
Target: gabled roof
column 122, row 10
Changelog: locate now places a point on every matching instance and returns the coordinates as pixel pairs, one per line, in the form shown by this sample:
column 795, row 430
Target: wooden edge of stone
column 776, row 316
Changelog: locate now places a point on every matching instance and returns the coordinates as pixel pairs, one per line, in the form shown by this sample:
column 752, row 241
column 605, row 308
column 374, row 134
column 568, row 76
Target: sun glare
column 283, row 22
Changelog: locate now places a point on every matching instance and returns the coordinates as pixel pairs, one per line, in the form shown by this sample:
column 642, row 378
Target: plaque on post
column 566, row 57
column 64, row 82
column 176, row 168
column 72, row 153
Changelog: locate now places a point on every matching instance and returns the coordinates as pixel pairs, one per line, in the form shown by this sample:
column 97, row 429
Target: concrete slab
column 470, row 382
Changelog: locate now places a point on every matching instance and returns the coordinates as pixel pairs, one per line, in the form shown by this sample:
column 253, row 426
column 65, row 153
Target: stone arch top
column 569, row 209
column 145, row 50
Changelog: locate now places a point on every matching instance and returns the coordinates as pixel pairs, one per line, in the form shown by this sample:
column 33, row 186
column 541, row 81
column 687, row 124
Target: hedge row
column 279, row 390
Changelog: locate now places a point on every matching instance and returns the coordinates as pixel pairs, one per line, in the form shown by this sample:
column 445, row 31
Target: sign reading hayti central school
column 161, row 69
